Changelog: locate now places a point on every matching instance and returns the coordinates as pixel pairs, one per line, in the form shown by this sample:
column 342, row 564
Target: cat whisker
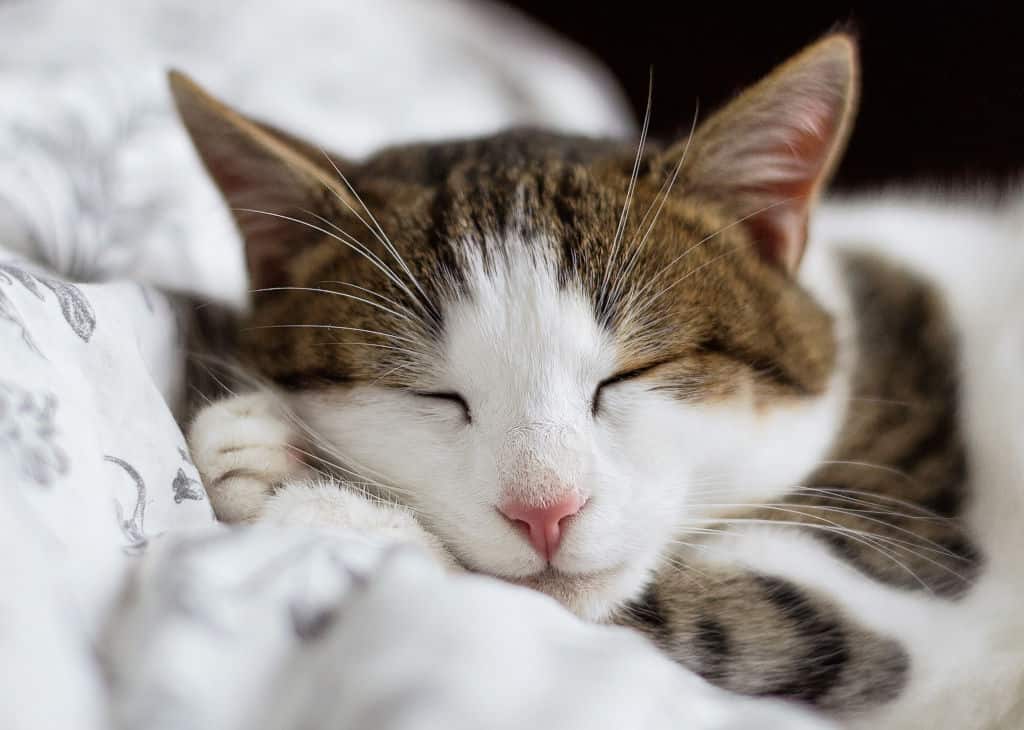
column 374, row 257
column 881, row 401
column 343, row 328
column 688, row 568
column 327, row 453
column 880, row 467
column 720, row 487
column 331, row 292
column 197, row 359
column 298, row 452
column 868, row 539
column 630, row 191
column 841, row 493
column 365, row 249
column 360, row 248
column 918, row 541
column 664, row 196
column 873, row 507
column 650, row 301
column 338, row 463
column 397, row 305
column 392, row 371
column 380, row 234
column 350, row 468
column 252, row 380
column 377, row 345
column 367, row 488
column 192, row 387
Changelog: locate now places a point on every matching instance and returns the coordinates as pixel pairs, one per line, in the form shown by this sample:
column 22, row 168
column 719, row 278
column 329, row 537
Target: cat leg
column 246, row 451
column 328, row 504
column 244, row 447
column 766, row 636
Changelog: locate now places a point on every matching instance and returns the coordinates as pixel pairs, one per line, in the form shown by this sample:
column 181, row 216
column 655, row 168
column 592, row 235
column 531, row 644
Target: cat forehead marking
column 519, row 324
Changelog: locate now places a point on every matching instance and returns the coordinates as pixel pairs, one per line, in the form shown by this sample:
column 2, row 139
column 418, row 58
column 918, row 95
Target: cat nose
column 543, row 524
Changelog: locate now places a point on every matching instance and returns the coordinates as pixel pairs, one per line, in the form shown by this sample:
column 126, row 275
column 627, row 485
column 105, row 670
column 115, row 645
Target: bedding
column 125, row 605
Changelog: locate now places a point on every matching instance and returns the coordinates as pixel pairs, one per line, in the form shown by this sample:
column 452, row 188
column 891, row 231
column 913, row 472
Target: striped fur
column 511, row 278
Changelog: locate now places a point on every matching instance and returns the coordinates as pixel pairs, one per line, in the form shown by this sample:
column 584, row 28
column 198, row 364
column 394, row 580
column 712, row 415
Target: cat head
column 560, row 352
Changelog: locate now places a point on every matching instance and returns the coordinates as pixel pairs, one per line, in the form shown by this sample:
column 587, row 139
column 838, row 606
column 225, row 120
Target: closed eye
column 451, row 397
column 595, row 404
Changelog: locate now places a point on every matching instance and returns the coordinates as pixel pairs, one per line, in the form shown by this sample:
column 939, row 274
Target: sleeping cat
column 614, row 374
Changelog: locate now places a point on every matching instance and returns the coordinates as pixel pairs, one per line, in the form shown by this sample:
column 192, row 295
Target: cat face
column 559, row 352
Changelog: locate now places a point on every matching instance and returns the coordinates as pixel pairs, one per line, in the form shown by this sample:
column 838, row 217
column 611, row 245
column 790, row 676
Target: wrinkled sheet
column 124, row 604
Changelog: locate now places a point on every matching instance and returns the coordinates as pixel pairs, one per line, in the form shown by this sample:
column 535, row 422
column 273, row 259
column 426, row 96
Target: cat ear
column 258, row 168
column 771, row 150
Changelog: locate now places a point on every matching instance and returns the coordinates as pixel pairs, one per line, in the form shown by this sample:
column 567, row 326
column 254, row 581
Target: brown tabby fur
column 698, row 298
column 894, row 486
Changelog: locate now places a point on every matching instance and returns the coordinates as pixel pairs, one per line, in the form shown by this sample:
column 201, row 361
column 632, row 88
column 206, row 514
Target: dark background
column 943, row 91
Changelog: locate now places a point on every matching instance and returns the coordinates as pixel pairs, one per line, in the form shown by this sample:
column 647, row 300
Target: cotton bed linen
column 124, row 603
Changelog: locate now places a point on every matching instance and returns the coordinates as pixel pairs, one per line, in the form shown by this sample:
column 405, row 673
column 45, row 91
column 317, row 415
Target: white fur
column 326, row 504
column 527, row 356
column 241, row 447
column 645, row 462
column 244, row 447
column 967, row 656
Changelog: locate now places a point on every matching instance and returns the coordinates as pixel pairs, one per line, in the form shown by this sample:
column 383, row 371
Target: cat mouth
column 582, row 593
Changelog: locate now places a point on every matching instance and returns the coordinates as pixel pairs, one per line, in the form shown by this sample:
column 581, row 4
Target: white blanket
column 124, row 605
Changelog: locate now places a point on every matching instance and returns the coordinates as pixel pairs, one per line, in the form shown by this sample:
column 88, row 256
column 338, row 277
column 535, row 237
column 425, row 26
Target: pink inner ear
column 243, row 184
column 794, row 159
column 780, row 236
column 251, row 179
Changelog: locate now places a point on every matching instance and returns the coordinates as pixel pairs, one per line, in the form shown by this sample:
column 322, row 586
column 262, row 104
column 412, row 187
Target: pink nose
column 544, row 524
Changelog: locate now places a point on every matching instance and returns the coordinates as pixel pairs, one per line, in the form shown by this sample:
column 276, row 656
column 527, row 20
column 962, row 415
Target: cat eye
column 595, row 403
column 451, row 397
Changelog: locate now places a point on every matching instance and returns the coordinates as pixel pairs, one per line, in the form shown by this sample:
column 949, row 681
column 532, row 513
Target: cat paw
column 326, row 504
column 244, row 447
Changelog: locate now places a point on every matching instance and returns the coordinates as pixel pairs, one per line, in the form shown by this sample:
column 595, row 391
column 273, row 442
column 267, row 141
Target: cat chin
column 591, row 596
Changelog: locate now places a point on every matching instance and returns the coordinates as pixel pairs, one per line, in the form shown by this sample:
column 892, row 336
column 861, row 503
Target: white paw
column 244, row 447
column 326, row 504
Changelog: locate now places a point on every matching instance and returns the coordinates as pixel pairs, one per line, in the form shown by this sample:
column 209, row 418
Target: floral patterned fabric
column 93, row 467
column 124, row 604
column 127, row 606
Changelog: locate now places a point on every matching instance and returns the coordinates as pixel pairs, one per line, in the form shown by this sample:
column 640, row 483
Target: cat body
column 941, row 582
column 613, row 374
